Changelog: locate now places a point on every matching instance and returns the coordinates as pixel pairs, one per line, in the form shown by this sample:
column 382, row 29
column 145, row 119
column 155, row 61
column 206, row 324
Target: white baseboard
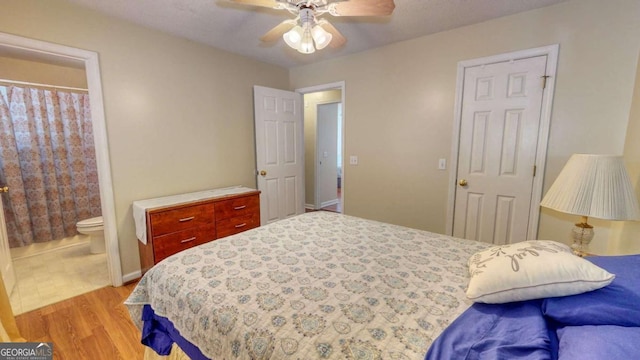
column 131, row 276
column 329, row 203
column 310, row 206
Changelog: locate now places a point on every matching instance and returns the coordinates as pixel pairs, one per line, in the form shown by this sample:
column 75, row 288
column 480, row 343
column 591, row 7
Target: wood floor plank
column 92, row 326
column 83, row 318
column 116, row 318
column 101, row 349
column 64, row 334
column 32, row 325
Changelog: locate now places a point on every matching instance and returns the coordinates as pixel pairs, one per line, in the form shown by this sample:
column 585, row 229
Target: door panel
column 510, row 142
column 292, row 197
column 279, row 153
column 478, row 141
column 269, row 201
column 498, row 136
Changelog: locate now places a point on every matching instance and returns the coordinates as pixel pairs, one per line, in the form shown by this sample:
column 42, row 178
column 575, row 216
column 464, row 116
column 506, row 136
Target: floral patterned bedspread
column 316, row 286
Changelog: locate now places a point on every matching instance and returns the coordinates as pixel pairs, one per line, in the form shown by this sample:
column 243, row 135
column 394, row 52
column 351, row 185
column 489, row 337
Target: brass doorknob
column 263, row 173
column 462, row 182
column 4, row 189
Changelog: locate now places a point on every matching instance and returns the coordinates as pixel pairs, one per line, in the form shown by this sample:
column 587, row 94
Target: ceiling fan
column 306, row 32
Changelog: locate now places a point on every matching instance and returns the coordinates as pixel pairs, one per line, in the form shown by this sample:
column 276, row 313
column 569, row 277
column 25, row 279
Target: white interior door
column 327, row 154
column 499, row 129
column 6, row 265
column 279, row 153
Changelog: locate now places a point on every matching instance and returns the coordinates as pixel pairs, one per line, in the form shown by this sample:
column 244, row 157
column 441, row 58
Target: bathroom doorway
column 50, row 170
column 64, row 268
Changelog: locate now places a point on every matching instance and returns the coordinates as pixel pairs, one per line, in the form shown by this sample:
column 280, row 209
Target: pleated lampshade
column 594, row 186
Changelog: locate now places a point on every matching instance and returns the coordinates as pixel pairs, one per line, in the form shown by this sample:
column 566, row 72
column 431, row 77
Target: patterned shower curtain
column 47, row 159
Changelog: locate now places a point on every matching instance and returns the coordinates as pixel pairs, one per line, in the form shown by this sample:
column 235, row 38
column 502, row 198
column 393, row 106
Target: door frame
column 316, row 194
column 92, row 68
column 325, row 87
column 9, row 277
column 551, row 51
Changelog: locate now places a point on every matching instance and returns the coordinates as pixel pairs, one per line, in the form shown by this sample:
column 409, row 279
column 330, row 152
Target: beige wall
column 41, row 73
column 311, row 102
column 179, row 115
column 628, row 242
column 399, row 105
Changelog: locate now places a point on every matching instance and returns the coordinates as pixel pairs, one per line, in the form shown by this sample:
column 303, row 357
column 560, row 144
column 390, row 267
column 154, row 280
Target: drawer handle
column 239, row 207
column 187, row 240
column 241, row 225
column 187, row 219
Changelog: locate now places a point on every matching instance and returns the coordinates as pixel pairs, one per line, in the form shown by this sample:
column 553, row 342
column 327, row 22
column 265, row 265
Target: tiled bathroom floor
column 56, row 275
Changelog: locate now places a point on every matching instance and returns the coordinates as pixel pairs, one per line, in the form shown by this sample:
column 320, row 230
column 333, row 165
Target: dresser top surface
column 190, row 197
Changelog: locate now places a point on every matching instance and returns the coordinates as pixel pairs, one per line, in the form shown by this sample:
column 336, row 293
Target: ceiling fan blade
column 278, row 31
column 363, row 8
column 337, row 40
column 263, row 3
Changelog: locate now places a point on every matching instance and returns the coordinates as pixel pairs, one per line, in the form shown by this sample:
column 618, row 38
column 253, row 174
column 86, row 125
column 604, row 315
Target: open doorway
column 300, row 195
column 323, row 133
column 38, row 51
column 328, row 179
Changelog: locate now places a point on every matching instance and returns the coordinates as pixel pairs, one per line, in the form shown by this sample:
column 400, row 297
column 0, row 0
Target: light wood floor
column 92, row 326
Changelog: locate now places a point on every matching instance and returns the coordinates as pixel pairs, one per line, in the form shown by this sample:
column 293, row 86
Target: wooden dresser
column 175, row 223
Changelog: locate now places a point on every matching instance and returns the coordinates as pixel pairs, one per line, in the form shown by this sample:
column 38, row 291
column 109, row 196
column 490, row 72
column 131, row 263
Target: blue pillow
column 602, row 342
column 514, row 330
column 615, row 304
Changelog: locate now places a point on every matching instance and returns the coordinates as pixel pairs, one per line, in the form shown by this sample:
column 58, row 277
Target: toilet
column 95, row 229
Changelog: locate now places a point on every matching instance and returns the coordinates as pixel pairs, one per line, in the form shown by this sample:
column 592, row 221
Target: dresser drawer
column 236, row 225
column 182, row 218
column 173, row 226
column 238, row 207
column 167, row 245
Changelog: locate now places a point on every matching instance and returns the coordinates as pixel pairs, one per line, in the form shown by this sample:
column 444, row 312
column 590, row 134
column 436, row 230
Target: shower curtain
column 47, row 159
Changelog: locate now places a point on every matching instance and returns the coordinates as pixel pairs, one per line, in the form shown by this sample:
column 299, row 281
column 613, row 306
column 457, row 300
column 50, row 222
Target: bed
column 316, row 286
column 328, row 286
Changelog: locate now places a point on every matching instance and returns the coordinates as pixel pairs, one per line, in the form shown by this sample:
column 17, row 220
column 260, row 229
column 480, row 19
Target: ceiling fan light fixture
column 321, row 37
column 306, row 45
column 310, row 33
column 293, row 37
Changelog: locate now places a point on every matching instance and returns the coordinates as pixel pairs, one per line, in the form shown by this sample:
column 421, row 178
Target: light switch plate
column 442, row 164
column 353, row 160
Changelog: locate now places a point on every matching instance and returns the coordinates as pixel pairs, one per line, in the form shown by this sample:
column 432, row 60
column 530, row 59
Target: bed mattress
column 316, row 286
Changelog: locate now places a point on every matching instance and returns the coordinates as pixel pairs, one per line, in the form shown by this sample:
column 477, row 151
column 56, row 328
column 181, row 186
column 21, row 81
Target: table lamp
column 592, row 186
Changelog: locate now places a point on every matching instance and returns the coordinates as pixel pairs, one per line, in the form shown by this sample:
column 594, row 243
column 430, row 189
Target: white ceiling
column 237, row 28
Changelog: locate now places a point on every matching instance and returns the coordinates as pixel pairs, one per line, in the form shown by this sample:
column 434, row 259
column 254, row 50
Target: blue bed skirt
column 159, row 334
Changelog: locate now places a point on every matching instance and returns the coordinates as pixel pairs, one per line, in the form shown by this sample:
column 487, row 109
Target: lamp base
column 582, row 234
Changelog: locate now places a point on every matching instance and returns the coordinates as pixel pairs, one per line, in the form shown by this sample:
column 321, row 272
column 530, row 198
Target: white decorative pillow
column 531, row 269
